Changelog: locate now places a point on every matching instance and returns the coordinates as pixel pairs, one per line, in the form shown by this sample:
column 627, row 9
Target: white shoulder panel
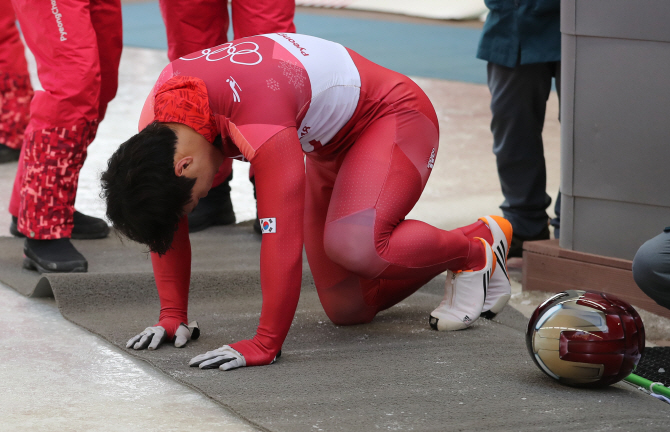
column 335, row 84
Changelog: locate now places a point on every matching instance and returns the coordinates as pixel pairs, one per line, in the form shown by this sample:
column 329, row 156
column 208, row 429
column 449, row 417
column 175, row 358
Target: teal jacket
column 521, row 32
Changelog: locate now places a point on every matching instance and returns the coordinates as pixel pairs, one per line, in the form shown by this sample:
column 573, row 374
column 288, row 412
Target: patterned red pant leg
column 15, row 96
column 15, row 89
column 72, row 61
column 53, row 158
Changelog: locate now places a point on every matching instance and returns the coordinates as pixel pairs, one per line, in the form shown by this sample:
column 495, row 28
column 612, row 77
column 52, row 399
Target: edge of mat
column 179, row 380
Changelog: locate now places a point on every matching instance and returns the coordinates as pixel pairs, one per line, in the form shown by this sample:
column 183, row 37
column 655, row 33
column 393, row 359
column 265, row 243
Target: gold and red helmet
column 585, row 338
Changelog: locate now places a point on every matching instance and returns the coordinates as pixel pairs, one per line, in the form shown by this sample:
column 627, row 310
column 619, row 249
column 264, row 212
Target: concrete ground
column 57, row 376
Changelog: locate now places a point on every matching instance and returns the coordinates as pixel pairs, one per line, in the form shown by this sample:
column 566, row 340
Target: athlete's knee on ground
column 351, row 244
column 343, row 311
column 345, row 304
column 349, row 316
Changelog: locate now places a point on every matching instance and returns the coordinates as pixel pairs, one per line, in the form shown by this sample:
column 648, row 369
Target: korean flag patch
column 269, row 226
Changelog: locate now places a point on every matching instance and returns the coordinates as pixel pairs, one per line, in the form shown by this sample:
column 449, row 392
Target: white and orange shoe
column 464, row 296
column 500, row 289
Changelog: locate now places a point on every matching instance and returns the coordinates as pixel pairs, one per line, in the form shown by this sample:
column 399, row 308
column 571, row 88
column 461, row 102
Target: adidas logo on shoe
column 463, row 296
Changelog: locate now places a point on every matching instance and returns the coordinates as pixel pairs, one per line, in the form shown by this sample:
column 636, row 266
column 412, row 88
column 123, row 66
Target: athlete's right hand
column 152, row 337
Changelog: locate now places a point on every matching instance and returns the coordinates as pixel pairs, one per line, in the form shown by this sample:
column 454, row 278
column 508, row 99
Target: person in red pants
column 77, row 46
column 211, row 18
column 370, row 136
column 15, row 89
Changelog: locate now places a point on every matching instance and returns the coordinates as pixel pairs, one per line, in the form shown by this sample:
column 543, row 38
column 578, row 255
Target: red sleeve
column 173, row 276
column 280, row 186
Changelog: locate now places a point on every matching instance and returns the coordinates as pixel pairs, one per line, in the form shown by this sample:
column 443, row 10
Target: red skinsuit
column 370, row 136
column 250, row 17
column 15, row 89
column 77, row 45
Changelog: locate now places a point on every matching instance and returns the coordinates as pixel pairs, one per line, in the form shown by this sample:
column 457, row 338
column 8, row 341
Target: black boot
column 214, row 209
column 8, row 154
column 53, row 256
column 85, row 227
column 516, row 248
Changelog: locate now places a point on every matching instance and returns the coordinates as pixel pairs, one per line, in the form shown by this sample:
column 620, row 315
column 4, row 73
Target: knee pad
column 350, row 243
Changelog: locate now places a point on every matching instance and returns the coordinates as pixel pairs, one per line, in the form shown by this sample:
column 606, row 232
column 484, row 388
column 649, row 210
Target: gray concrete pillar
column 615, row 113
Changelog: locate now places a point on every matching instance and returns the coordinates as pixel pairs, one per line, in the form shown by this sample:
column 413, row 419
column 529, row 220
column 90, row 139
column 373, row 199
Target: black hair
column 145, row 198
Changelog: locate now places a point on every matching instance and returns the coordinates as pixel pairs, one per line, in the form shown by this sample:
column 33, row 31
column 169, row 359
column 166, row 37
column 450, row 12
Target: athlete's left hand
column 153, row 337
column 225, row 358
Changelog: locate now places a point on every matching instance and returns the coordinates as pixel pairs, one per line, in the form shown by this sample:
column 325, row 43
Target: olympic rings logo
column 228, row 50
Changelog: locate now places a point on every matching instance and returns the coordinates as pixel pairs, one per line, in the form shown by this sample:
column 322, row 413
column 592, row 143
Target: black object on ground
column 655, row 365
column 53, row 256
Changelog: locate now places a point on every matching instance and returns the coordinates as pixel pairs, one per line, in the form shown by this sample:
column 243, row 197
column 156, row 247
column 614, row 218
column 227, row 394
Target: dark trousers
column 518, row 103
column 651, row 268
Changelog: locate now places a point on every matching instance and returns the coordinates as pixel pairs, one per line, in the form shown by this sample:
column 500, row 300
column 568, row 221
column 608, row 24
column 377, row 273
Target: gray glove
column 152, row 337
column 225, row 358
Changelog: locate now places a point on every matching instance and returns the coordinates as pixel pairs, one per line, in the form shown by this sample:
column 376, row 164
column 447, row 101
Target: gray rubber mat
column 392, row 374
